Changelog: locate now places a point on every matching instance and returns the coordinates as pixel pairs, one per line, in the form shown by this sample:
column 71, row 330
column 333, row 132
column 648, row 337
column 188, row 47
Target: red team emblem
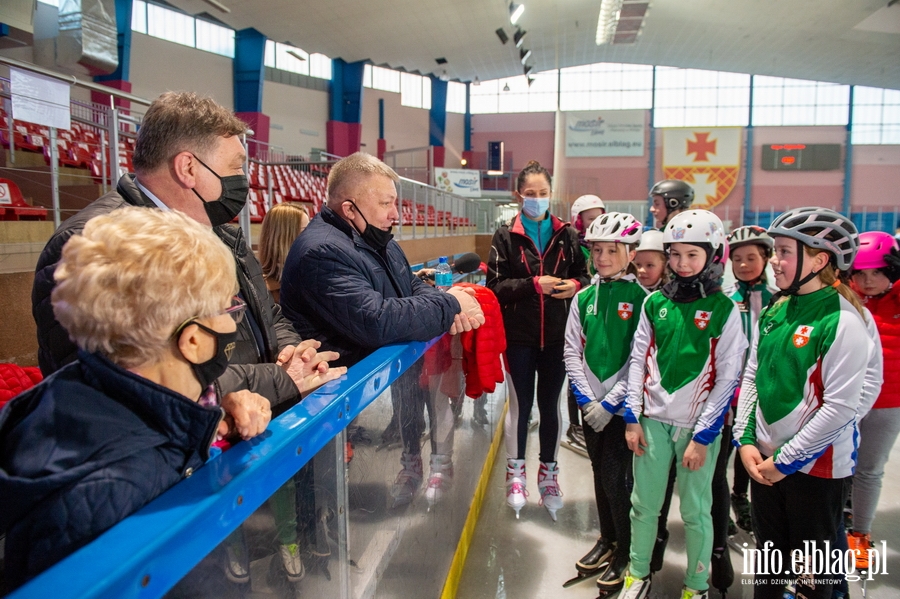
column 625, row 310
column 701, row 319
column 801, row 335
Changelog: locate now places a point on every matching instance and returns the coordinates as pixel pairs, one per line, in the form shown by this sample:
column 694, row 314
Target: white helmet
column 586, row 202
column 616, row 227
column 651, row 240
column 697, row 226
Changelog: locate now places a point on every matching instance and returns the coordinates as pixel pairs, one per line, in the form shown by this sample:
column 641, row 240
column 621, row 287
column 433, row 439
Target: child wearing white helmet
column 684, row 368
column 812, row 367
column 650, row 260
column 601, row 325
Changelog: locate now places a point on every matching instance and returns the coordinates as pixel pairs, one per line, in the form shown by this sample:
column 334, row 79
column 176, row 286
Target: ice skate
column 548, row 485
column 635, row 588
column 408, row 480
column 440, row 478
column 659, row 552
column 613, row 577
column 688, row 593
column 721, row 570
column 293, row 565
column 596, row 557
column 515, row 485
column 741, row 507
column 575, row 440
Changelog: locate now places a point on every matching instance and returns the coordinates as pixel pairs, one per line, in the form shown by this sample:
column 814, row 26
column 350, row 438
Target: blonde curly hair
column 133, row 276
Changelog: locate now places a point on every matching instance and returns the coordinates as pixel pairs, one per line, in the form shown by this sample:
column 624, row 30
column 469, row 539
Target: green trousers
column 666, row 443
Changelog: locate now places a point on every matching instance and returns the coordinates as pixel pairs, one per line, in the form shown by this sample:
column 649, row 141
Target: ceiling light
column 524, row 55
column 218, row 5
column 502, row 35
column 609, row 18
column 476, row 82
column 527, row 69
column 444, row 76
column 506, row 87
column 296, row 55
column 515, row 11
column 519, row 37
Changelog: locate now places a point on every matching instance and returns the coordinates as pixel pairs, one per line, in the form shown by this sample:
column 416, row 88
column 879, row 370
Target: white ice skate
column 440, row 479
column 515, row 485
column 548, row 485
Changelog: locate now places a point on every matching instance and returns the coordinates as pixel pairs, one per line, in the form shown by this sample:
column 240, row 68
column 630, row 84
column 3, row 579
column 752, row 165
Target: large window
column 779, row 101
column 514, row 94
column 415, row 91
column 606, row 86
column 456, row 97
column 170, row 25
column 380, row 78
column 694, row 98
column 290, row 58
column 876, row 116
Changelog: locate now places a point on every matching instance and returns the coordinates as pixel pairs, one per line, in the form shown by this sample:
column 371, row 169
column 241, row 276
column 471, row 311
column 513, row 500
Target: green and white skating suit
column 807, row 371
column 750, row 300
column 685, row 363
column 602, row 322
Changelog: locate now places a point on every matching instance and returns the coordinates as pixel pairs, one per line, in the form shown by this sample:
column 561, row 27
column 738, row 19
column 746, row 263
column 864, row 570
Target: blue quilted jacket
column 337, row 289
column 86, row 448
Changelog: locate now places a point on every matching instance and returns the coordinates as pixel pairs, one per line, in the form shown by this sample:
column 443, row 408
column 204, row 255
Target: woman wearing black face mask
column 148, row 297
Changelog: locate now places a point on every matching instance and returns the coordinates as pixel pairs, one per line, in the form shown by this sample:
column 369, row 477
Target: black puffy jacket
column 532, row 318
column 337, row 289
column 86, row 448
column 253, row 361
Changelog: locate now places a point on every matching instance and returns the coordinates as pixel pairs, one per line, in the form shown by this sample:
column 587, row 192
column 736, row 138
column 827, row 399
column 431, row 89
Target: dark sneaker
column 614, row 576
column 741, row 506
column 596, row 557
column 721, row 571
column 659, row 553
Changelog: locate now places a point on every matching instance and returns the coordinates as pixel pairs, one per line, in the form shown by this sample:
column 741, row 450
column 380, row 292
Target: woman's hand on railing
column 246, row 414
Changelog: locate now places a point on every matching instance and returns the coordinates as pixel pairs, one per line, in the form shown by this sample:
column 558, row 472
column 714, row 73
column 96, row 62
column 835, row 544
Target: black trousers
column 613, row 480
column 721, row 498
column 524, row 363
column 797, row 508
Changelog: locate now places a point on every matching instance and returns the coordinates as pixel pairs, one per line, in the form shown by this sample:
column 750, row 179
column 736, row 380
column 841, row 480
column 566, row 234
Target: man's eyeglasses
column 236, row 310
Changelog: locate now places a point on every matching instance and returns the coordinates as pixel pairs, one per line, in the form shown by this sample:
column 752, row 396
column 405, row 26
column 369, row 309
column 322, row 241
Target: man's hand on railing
column 470, row 315
column 308, row 368
column 246, row 414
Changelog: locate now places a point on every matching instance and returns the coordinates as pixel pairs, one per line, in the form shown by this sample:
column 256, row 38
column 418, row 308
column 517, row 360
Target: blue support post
column 123, row 43
column 380, row 118
column 467, row 123
column 249, row 69
column 437, row 116
column 346, row 91
column 848, row 158
column 748, row 164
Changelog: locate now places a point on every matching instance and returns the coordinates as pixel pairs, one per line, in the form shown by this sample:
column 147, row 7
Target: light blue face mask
column 535, row 207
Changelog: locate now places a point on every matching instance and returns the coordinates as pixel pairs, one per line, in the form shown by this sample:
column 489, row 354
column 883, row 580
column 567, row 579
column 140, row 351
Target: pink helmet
column 873, row 247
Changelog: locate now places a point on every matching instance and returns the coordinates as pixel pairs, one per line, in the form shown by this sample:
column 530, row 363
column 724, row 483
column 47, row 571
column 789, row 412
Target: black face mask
column 234, row 195
column 375, row 237
column 207, row 372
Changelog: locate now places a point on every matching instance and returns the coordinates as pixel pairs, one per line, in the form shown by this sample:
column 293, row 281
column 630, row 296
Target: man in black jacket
column 347, row 283
column 189, row 157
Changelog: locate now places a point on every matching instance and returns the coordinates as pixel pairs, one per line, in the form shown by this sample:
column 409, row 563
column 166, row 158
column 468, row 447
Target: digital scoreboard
column 801, row 157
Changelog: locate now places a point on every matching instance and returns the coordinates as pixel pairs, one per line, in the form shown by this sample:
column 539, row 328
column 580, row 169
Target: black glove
column 893, row 265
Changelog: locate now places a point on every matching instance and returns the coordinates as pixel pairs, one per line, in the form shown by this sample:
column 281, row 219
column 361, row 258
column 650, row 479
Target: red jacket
column 886, row 311
column 483, row 347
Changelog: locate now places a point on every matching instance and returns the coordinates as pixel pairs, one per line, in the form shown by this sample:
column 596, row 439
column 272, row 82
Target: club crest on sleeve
column 625, row 310
column 701, row 318
column 801, row 335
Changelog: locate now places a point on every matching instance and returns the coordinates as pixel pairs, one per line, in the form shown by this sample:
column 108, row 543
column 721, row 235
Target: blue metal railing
column 146, row 554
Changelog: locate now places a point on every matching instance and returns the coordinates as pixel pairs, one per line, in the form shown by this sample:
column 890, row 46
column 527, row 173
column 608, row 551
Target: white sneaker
column 515, row 485
column 293, row 565
column 548, row 485
column 635, row 588
column 408, row 480
column 237, row 566
column 440, row 479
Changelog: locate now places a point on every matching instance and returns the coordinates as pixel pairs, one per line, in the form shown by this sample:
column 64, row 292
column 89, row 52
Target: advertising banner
column 40, row 100
column 707, row 158
column 462, row 182
column 605, row 133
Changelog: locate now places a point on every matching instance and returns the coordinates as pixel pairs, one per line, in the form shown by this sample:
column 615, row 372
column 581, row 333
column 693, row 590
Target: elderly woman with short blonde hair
column 148, row 297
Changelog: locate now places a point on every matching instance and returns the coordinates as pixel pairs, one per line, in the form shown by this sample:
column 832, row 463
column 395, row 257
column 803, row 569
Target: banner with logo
column 39, row 99
column 707, row 158
column 605, row 133
column 462, row 182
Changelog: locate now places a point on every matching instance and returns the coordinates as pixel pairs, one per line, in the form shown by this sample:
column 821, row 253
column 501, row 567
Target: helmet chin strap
column 798, row 282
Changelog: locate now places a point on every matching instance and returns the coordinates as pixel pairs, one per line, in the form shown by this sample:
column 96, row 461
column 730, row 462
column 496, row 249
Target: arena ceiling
column 845, row 41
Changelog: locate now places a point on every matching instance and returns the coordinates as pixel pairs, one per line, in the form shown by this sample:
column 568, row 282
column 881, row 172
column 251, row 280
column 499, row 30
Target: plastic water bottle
column 443, row 276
